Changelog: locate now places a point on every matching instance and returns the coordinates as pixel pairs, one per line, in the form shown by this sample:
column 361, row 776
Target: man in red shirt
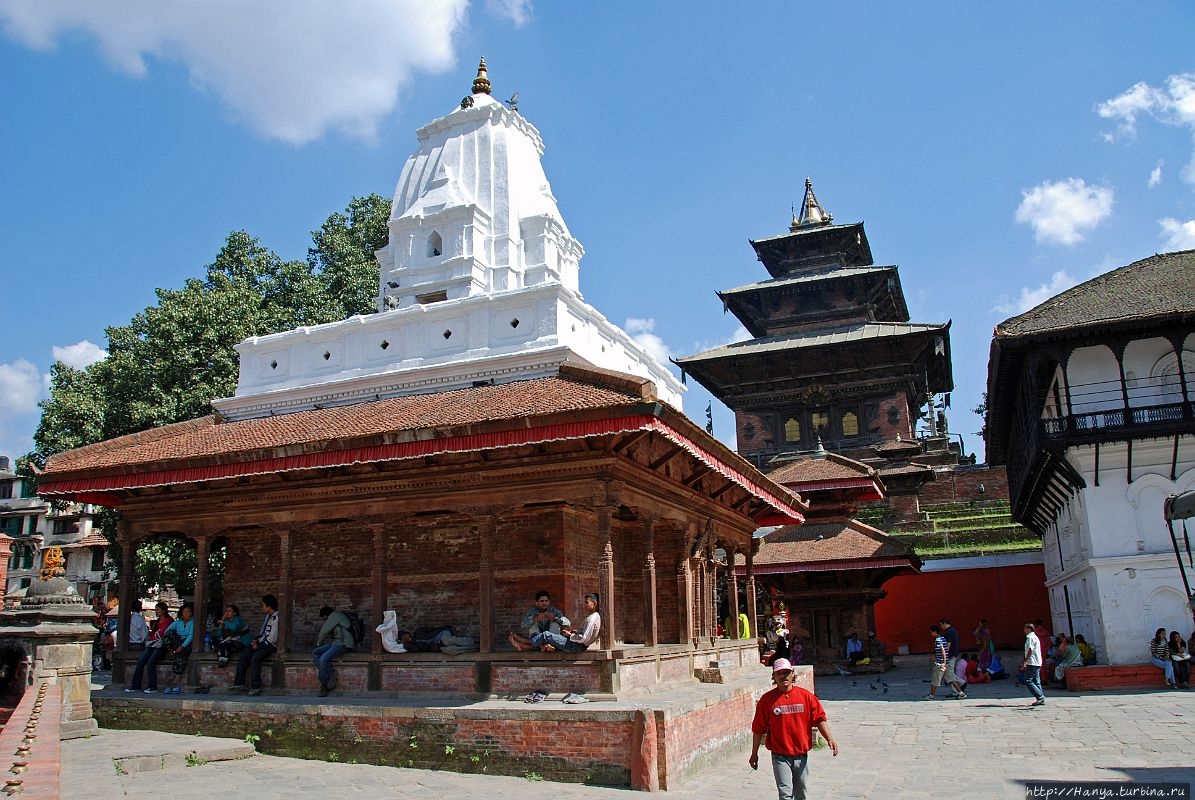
column 786, row 717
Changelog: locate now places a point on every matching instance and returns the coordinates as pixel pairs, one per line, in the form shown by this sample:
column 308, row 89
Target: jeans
column 147, row 660
column 792, row 775
column 1033, row 681
column 1167, row 668
column 558, row 641
column 250, row 661
column 323, row 657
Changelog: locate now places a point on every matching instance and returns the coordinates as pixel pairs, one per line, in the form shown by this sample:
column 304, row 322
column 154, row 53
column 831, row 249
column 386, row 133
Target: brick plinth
column 656, row 743
column 1121, row 676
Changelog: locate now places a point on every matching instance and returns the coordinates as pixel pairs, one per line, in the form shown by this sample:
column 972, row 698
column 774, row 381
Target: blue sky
column 998, row 153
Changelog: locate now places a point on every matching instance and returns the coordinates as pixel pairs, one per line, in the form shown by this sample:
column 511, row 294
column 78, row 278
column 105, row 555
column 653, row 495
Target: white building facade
column 1091, row 408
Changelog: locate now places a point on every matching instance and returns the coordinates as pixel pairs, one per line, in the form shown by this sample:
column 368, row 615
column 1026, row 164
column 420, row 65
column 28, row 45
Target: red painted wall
column 1007, row 596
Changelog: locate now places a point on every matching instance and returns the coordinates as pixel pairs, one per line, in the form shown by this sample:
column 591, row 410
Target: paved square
column 894, row 745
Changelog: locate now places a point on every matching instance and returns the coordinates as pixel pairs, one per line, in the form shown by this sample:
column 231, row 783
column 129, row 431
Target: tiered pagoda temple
column 834, row 355
column 836, row 361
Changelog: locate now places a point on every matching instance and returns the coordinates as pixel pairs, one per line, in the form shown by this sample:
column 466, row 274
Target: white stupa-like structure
column 479, row 284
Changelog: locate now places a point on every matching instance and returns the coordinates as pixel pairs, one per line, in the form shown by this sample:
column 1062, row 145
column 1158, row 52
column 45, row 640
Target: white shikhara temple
column 479, row 284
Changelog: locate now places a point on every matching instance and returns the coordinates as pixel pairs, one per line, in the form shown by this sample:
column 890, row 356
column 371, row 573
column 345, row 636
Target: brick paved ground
column 894, row 745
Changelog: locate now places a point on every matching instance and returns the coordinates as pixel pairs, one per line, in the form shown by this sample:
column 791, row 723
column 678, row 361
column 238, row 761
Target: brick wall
column 962, row 485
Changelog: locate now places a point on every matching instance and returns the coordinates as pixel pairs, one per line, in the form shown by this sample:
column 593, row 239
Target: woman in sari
column 983, row 645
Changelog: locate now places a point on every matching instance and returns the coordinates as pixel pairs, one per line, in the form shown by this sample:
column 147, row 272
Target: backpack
column 356, row 628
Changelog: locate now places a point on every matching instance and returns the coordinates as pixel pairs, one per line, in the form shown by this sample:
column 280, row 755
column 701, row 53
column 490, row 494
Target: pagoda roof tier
column 605, row 411
column 873, row 353
column 831, row 478
column 759, row 306
column 814, row 248
column 837, row 545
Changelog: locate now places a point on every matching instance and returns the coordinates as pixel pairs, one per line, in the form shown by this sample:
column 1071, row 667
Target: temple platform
column 642, row 738
column 647, row 721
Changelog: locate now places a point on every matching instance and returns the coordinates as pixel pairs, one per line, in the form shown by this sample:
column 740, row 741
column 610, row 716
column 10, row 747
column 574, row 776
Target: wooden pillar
column 752, row 608
column 128, row 582
column 199, row 615
column 285, row 591
column 711, row 595
column 606, row 577
column 650, row 621
column 487, row 525
column 684, row 600
column 699, row 593
column 380, row 585
column 732, row 601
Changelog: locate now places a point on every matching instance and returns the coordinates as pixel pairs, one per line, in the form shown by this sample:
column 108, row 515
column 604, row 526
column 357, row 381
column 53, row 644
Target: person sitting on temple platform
column 335, row 638
column 1086, row 649
column 262, row 646
column 439, row 638
column 574, row 641
column 854, row 649
column 389, row 630
column 1068, row 656
column 542, row 617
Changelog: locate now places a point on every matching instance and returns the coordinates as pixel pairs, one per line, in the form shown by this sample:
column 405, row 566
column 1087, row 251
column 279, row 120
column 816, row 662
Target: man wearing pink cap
column 785, row 716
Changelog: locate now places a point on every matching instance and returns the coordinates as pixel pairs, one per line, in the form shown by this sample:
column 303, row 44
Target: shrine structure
column 485, row 435
column 829, row 573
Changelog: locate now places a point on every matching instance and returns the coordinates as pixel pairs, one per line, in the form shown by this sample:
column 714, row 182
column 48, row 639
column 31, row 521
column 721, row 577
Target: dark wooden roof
column 1150, row 289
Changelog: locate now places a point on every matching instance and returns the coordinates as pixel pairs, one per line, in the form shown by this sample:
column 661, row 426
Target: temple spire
column 812, row 214
column 481, row 84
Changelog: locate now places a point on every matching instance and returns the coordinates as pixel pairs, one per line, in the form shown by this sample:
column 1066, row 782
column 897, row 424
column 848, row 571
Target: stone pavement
column 893, row 745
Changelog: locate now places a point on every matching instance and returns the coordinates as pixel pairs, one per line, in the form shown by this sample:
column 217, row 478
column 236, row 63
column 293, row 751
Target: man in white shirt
column 1031, row 666
column 138, row 629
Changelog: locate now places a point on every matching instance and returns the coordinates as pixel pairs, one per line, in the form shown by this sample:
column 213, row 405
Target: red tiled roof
column 845, row 545
column 898, row 446
column 431, row 414
column 578, row 402
column 92, row 539
column 831, row 467
column 905, row 469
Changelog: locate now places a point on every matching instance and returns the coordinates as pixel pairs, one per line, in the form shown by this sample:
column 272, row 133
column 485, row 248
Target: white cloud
column 291, row 69
column 1155, row 175
column 517, row 11
column 21, row 385
column 643, row 332
column 1173, row 106
column 1034, row 296
column 741, row 334
column 1181, row 235
column 1063, row 211
column 80, row 354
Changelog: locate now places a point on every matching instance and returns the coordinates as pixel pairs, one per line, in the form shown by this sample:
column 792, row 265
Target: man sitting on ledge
column 543, row 617
column 569, row 640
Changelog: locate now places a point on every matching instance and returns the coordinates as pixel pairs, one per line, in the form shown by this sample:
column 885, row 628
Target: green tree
column 174, row 357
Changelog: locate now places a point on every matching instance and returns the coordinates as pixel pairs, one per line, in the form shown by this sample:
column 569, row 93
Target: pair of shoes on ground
column 930, row 697
column 1038, row 703
column 574, row 697
column 254, row 692
column 173, row 690
column 535, row 697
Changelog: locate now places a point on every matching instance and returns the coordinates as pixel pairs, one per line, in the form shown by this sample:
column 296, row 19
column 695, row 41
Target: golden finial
column 481, row 84
column 53, row 564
